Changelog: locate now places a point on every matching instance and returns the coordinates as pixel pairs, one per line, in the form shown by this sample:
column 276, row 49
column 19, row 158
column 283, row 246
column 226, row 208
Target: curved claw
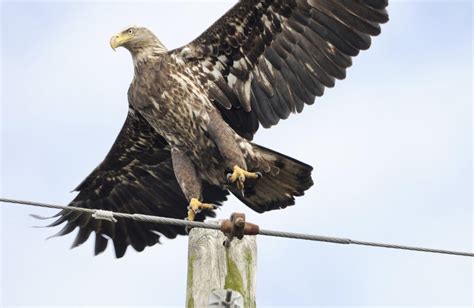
column 196, row 206
column 240, row 175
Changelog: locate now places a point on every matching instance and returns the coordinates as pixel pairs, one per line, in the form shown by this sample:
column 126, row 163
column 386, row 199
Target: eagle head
column 136, row 39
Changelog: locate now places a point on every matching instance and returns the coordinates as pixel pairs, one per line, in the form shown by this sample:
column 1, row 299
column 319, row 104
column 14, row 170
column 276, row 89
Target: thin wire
column 99, row 214
column 347, row 241
column 137, row 217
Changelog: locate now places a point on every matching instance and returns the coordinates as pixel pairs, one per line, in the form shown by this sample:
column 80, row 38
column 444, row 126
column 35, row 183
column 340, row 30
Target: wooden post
column 211, row 266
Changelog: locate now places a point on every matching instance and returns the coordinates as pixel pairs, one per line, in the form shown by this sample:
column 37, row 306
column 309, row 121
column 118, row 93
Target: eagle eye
column 130, row 31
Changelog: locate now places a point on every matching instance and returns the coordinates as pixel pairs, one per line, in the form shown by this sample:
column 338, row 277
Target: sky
column 391, row 147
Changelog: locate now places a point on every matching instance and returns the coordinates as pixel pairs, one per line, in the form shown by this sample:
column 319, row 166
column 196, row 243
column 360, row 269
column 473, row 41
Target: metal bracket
column 104, row 215
column 237, row 227
column 225, row 299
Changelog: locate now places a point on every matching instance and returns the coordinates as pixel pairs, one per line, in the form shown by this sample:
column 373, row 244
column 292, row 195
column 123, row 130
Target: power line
column 110, row 216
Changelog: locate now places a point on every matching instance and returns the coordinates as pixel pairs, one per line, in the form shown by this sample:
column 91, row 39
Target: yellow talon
column 239, row 175
column 196, row 206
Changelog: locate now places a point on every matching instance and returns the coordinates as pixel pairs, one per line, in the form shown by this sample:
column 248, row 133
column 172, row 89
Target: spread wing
column 268, row 58
column 135, row 177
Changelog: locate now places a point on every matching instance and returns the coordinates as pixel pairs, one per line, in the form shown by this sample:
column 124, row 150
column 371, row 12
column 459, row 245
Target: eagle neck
column 144, row 54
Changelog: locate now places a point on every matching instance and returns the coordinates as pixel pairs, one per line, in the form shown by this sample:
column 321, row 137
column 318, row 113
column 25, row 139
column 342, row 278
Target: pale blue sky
column 391, row 147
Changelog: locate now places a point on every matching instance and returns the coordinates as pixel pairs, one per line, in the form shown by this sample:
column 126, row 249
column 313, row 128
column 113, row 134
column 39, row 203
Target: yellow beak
column 119, row 39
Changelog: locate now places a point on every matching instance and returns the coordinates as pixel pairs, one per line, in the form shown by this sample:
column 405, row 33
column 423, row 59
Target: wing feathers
column 276, row 56
column 135, row 177
column 100, row 244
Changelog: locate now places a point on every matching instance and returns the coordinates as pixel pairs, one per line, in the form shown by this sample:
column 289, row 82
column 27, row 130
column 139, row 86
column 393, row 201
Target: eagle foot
column 240, row 175
column 196, row 206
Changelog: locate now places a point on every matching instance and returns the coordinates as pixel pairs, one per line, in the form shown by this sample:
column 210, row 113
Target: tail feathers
column 277, row 189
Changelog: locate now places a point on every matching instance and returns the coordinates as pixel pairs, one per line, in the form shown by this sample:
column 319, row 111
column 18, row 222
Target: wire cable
column 109, row 215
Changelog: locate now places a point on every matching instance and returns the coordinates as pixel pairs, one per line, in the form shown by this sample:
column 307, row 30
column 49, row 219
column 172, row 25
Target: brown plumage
column 194, row 111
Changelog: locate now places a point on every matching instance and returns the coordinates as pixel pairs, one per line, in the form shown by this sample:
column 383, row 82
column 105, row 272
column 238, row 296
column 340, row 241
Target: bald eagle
column 193, row 111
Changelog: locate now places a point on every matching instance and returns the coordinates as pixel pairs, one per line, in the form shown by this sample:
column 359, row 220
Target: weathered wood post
column 212, row 267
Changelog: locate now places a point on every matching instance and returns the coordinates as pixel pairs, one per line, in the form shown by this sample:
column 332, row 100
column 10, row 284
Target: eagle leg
column 196, row 206
column 190, row 183
column 240, row 175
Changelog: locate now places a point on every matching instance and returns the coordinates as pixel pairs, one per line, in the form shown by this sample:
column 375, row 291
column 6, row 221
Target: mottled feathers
column 267, row 59
column 135, row 177
column 260, row 62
